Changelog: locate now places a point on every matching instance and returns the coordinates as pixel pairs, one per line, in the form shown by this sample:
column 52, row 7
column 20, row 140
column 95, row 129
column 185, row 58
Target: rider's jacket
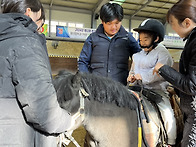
column 144, row 63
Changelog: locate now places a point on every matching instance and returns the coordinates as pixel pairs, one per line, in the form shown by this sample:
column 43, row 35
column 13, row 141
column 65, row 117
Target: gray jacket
column 28, row 102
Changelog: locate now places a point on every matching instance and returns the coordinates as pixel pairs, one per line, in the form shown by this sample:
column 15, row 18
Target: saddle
column 149, row 94
column 151, row 112
column 151, row 115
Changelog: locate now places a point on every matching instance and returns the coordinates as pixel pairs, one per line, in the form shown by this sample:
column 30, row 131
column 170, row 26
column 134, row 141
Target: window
column 62, row 24
column 69, row 24
column 79, row 25
column 53, row 26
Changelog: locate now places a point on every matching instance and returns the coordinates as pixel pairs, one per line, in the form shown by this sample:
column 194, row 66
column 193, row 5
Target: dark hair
column 183, row 9
column 20, row 6
column 111, row 11
column 42, row 17
column 153, row 35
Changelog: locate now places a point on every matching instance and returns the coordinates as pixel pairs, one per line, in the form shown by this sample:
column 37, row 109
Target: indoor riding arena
column 69, row 22
column 65, row 55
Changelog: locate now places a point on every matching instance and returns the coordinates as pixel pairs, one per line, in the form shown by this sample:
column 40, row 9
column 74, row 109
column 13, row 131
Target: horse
column 111, row 112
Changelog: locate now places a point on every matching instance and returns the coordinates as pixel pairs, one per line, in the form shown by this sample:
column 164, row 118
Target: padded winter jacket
column 108, row 57
column 184, row 80
column 28, row 102
column 185, row 83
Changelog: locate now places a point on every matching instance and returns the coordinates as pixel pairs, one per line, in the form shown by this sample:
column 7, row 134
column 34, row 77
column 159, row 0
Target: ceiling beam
column 78, row 3
column 51, row 3
column 98, row 6
column 69, row 9
column 143, row 6
column 145, row 11
column 168, row 2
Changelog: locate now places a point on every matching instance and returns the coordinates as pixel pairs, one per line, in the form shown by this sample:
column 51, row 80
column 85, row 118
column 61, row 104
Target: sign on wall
column 44, row 29
column 71, row 32
column 62, row 31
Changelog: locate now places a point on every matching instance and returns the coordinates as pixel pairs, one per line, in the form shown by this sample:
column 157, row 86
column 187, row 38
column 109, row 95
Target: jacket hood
column 15, row 22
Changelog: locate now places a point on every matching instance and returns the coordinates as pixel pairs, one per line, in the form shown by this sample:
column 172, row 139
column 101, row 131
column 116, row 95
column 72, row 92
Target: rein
column 141, row 106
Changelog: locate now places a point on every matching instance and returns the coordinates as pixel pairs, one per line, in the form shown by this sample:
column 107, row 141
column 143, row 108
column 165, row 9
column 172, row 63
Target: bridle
column 66, row 138
column 83, row 94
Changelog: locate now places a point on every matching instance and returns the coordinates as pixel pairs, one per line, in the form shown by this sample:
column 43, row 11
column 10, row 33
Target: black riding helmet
column 154, row 26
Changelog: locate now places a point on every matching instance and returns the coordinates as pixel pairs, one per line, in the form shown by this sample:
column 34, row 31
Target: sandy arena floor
column 79, row 135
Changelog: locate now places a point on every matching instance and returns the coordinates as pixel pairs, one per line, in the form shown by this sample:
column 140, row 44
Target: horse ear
column 76, row 79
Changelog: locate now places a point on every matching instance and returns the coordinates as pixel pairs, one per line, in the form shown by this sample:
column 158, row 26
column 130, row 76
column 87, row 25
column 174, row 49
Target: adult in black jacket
column 106, row 52
column 29, row 111
column 182, row 18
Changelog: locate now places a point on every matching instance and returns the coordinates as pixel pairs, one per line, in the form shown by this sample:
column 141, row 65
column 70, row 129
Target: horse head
column 67, row 88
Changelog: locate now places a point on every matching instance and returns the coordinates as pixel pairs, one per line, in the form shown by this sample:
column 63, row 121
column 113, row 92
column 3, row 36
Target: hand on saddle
column 138, row 77
column 76, row 121
column 132, row 78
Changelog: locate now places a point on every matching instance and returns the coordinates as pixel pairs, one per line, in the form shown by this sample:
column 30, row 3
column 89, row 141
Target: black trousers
column 189, row 132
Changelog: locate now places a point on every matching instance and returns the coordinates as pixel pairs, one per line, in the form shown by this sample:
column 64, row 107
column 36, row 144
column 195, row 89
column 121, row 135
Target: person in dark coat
column 106, row 52
column 30, row 115
column 182, row 18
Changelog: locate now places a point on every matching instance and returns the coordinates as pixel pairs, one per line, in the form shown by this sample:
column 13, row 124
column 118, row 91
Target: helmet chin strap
column 147, row 46
column 153, row 44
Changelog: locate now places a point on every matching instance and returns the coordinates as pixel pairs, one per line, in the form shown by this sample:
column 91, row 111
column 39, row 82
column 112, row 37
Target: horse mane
column 101, row 89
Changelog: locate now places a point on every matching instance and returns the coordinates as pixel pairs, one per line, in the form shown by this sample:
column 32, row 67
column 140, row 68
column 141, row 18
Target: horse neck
column 105, row 117
column 97, row 110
